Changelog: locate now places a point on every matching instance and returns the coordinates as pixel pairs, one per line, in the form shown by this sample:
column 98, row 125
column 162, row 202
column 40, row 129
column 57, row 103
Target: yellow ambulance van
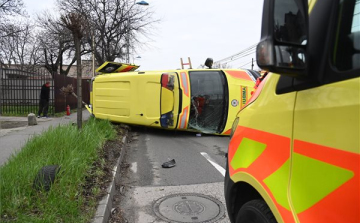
column 294, row 149
column 199, row 100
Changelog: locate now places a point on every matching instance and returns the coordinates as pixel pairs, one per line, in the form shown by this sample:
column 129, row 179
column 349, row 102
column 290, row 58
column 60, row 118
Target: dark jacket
column 45, row 92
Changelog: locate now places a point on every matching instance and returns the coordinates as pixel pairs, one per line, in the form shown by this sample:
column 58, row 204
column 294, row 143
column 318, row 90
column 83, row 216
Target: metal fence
column 20, row 91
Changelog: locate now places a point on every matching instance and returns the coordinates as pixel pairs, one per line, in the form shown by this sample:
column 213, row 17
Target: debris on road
column 169, row 164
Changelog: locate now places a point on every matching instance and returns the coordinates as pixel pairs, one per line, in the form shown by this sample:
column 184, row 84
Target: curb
column 103, row 211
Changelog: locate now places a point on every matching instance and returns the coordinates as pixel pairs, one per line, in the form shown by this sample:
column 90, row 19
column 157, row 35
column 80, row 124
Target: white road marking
column 217, row 166
column 134, row 167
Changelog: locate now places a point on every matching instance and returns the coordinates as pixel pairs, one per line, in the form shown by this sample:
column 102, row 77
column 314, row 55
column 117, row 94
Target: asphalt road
column 200, row 163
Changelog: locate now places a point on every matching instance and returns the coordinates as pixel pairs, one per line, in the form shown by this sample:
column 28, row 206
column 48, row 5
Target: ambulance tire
column 255, row 211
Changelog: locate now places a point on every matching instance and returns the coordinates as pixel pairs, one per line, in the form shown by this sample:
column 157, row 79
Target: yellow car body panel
column 305, row 159
column 269, row 109
column 266, row 112
column 319, row 109
column 127, row 98
column 167, row 99
column 240, row 90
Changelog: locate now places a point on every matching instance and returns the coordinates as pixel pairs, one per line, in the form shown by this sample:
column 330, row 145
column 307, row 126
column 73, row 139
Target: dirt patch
column 12, row 124
column 117, row 215
column 109, row 155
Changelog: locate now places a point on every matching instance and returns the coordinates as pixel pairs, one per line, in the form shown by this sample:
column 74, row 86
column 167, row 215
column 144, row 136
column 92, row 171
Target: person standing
column 44, row 100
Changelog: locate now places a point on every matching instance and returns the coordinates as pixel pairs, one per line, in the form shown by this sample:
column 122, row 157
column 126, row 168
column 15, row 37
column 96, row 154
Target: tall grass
column 74, row 151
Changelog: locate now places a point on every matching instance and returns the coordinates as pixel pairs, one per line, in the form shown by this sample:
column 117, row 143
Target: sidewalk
column 12, row 140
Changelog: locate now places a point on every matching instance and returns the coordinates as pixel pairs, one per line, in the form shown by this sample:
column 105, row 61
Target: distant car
column 199, row 100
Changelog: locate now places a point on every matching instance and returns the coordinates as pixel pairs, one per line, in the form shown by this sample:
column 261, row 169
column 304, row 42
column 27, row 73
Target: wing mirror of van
column 284, row 37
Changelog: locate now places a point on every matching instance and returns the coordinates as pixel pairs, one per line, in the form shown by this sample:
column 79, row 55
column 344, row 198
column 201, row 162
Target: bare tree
column 115, row 25
column 8, row 8
column 7, row 45
column 77, row 24
column 23, row 40
column 34, row 52
column 11, row 7
column 17, row 45
column 57, row 45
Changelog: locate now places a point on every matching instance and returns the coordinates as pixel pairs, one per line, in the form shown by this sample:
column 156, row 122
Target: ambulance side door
column 324, row 184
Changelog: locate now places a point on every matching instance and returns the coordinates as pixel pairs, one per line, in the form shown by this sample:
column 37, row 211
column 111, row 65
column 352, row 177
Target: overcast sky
column 193, row 28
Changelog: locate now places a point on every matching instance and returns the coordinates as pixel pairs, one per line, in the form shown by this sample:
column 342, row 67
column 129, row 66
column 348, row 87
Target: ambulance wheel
column 255, row 211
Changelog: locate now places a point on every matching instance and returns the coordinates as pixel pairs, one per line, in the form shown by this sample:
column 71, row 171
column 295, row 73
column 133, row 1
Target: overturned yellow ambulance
column 199, row 100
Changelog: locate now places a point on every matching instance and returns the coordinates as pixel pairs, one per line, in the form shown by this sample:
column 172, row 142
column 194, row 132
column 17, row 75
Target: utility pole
column 127, row 59
column 252, row 63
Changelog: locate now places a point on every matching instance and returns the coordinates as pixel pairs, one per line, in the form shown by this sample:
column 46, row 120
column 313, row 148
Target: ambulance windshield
column 209, row 100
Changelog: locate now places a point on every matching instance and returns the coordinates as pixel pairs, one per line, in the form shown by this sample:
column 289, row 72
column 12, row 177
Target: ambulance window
column 209, row 101
column 346, row 54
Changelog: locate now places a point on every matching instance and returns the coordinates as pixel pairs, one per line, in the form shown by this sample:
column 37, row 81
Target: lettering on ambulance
column 185, row 83
column 184, row 118
column 244, row 96
column 261, row 154
column 325, row 184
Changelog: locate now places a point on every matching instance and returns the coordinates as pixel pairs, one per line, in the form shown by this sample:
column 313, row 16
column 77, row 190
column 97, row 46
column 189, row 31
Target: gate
column 20, row 91
column 62, row 101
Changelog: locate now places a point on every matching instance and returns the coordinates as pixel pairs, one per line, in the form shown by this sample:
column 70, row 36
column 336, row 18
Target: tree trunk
column 79, row 80
column 1, row 93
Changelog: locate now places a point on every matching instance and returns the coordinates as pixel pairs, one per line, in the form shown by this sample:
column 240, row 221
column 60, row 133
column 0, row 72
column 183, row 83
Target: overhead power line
column 248, row 51
column 247, row 63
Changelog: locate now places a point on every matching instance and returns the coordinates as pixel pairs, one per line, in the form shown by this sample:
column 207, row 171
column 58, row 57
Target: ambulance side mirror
column 284, row 37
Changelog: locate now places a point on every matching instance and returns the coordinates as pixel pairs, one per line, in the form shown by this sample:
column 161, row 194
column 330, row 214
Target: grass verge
column 67, row 201
column 24, row 110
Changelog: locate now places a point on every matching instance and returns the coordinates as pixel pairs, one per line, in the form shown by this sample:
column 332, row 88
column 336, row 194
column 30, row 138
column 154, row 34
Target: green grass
column 75, row 151
column 12, row 110
column 23, row 111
